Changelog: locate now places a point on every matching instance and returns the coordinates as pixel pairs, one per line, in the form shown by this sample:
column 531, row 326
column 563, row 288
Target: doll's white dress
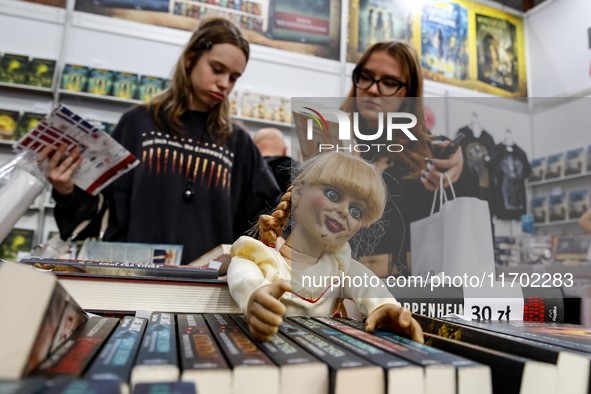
column 254, row 265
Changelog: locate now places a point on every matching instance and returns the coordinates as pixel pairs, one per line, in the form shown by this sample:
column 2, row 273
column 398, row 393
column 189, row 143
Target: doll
column 334, row 195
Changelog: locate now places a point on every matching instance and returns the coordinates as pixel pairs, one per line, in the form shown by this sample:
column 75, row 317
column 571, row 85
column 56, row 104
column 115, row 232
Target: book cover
column 8, row 122
column 539, row 208
column 166, row 388
column 13, row 68
column 76, row 353
column 555, row 166
column 99, row 81
column 234, row 99
column 17, row 241
column 74, row 77
column 574, row 161
column 575, row 248
column 117, row 357
column 111, row 269
column 538, row 169
column 251, row 104
column 124, row 85
column 578, row 203
column 41, row 72
column 440, row 302
column 23, row 386
column 130, row 252
column 149, row 87
column 66, row 386
column 558, row 207
column 444, row 39
column 304, row 21
column 28, row 121
column 498, row 64
column 158, row 346
column 279, row 349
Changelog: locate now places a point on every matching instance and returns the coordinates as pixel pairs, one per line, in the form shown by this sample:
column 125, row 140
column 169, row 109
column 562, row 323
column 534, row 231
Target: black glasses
column 387, row 86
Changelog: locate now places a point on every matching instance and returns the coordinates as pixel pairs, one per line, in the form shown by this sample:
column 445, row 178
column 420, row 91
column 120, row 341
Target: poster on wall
column 310, row 27
column 444, row 40
column 372, row 21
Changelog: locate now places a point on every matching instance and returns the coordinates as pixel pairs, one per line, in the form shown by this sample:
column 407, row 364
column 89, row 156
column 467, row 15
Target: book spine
column 67, row 386
column 237, row 346
column 116, row 359
column 163, row 388
column 360, row 348
column 280, row 349
column 543, row 304
column 198, row 349
column 435, row 354
column 159, row 343
column 74, row 356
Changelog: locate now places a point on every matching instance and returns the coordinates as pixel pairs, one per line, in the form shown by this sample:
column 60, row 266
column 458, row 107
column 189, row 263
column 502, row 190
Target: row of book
column 560, row 207
column 574, row 162
column 216, row 353
column 20, row 70
column 573, row 249
column 13, row 125
column 261, row 106
column 254, row 23
column 111, row 83
column 249, row 7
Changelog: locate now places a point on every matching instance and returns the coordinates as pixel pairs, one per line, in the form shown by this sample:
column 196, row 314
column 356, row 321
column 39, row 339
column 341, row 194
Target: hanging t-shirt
column 511, row 170
column 479, row 153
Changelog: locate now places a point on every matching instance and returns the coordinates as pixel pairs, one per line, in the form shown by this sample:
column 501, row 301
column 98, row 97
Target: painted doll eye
column 355, row 212
column 332, row 195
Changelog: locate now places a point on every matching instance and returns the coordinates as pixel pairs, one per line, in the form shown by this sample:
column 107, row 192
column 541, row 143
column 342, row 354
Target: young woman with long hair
column 388, row 78
column 201, row 181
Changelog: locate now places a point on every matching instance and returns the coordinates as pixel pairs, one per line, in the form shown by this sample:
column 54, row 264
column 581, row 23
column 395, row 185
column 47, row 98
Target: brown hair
column 352, row 174
column 414, row 152
column 174, row 102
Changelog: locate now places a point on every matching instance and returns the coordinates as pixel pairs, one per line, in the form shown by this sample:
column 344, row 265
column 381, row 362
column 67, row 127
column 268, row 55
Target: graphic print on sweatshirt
column 205, row 164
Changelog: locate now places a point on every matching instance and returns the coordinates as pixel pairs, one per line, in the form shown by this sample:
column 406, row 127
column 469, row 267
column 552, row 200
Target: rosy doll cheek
column 318, row 202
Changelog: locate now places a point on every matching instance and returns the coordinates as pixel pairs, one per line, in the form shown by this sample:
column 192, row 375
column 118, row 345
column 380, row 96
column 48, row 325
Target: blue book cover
column 574, row 161
column 554, row 166
column 539, row 208
column 578, row 203
column 538, row 167
column 558, row 207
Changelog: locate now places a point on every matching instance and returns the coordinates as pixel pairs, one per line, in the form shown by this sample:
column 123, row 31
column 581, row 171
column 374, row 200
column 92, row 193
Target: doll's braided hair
column 348, row 172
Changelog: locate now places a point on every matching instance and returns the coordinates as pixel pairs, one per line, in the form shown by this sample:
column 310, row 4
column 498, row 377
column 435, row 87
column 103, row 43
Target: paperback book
column 558, row 207
column 99, row 82
column 574, row 161
column 539, row 208
column 555, row 166
column 538, row 169
column 124, row 85
column 149, row 87
column 28, row 121
column 129, row 252
column 74, row 77
column 41, row 72
column 18, row 241
column 578, row 203
column 8, row 123
column 13, row 68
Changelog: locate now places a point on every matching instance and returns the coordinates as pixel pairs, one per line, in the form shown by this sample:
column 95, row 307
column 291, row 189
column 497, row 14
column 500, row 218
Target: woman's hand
column 59, row 169
column 264, row 310
column 395, row 318
column 454, row 165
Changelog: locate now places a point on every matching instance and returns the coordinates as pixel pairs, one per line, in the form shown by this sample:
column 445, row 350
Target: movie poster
column 444, row 40
column 372, row 21
column 498, row 61
column 310, row 27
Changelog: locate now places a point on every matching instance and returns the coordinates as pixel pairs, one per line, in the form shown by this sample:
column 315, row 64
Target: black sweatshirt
column 232, row 186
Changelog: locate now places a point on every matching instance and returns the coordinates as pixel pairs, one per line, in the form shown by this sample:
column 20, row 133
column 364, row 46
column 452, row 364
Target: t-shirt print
column 205, row 164
column 512, row 183
column 476, row 154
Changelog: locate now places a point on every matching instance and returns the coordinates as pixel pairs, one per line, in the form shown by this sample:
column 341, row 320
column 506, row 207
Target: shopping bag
column 457, row 240
column 21, row 181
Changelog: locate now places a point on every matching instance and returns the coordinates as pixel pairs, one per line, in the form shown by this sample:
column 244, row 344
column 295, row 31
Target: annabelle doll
column 333, row 197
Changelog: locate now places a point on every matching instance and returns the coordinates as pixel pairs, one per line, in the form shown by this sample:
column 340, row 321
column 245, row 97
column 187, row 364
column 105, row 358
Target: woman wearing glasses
column 388, row 78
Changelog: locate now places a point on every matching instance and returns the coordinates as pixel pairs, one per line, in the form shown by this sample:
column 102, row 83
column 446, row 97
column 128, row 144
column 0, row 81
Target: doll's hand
column 264, row 310
column 395, row 318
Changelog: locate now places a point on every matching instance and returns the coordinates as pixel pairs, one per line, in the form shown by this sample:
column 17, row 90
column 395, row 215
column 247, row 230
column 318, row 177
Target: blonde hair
column 414, row 153
column 352, row 174
column 174, row 102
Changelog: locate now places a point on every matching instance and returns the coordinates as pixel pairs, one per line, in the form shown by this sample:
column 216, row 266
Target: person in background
column 201, row 181
column 585, row 222
column 271, row 144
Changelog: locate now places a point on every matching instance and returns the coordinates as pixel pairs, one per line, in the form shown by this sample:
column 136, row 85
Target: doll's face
column 328, row 213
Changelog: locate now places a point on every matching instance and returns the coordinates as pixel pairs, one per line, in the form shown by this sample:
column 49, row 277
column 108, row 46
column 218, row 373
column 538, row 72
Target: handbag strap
column 442, row 192
column 79, row 228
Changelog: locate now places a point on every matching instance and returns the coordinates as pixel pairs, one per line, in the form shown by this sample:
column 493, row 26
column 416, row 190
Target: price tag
column 41, row 108
column 493, row 303
column 98, row 63
column 556, row 191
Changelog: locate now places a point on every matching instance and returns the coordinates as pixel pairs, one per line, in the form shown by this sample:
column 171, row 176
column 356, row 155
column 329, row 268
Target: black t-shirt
column 480, row 155
column 511, row 170
column 281, row 169
column 232, row 186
